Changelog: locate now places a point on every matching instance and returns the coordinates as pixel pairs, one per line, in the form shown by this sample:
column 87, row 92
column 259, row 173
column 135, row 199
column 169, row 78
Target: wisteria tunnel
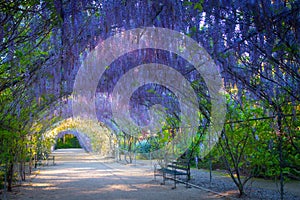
column 215, row 83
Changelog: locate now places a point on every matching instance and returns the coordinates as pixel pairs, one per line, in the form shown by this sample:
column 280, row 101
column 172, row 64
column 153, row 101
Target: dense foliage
column 254, row 43
column 67, row 141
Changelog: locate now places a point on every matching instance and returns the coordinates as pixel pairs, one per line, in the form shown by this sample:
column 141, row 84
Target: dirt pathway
column 78, row 175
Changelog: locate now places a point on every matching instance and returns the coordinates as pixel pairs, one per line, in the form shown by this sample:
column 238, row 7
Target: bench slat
column 179, row 167
column 173, row 172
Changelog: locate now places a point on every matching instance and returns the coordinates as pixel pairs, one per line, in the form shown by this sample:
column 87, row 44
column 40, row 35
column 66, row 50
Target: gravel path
column 255, row 190
column 78, row 175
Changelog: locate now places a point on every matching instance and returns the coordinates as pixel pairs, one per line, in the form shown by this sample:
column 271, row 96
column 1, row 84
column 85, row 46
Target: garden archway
column 93, row 136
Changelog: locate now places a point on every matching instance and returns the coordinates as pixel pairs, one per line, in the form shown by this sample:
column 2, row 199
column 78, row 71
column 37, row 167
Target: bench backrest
column 182, row 165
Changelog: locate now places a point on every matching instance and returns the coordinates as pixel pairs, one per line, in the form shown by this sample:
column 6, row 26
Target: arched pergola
column 93, row 136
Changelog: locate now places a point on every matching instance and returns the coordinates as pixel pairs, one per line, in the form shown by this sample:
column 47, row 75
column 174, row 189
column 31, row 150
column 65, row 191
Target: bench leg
column 155, row 175
column 174, row 182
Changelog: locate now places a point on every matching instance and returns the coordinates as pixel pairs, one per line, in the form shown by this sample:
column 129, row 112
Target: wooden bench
column 49, row 158
column 38, row 160
column 173, row 170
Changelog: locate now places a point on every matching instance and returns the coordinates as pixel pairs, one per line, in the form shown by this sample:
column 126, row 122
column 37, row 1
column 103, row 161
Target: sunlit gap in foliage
column 72, row 139
column 94, row 136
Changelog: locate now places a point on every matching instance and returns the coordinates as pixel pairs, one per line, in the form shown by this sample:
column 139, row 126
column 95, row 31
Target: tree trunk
column 22, row 170
column 241, row 190
column 10, row 174
column 281, row 164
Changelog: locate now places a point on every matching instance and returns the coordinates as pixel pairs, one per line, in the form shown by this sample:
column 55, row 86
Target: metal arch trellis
column 151, row 141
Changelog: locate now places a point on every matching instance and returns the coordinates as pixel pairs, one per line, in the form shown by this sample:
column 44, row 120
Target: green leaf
column 198, row 6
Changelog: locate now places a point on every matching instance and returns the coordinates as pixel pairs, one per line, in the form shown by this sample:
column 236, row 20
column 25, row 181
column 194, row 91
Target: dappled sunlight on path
column 78, row 175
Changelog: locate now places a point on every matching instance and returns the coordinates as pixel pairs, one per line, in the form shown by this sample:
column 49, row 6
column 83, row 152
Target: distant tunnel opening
column 72, row 139
column 67, row 141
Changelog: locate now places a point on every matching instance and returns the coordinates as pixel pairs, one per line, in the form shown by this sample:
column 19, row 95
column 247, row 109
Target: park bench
column 173, row 170
column 46, row 157
column 49, row 158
